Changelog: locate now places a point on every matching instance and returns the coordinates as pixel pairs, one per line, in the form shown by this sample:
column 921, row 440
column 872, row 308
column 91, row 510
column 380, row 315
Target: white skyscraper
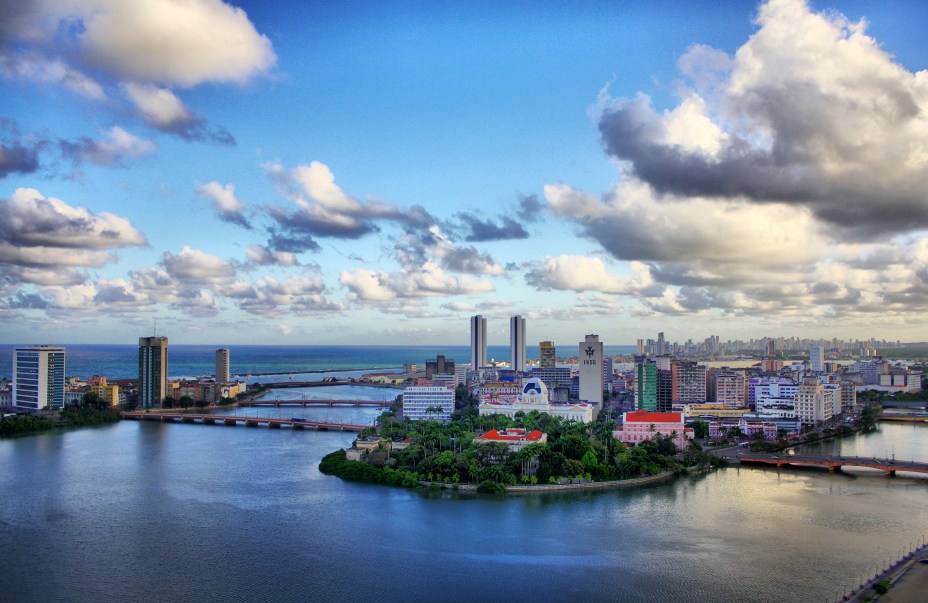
column 817, row 358
column 517, row 343
column 478, row 342
column 38, row 377
column 591, row 371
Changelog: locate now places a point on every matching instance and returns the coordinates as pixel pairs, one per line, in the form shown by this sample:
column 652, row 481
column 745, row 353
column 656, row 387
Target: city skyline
column 267, row 173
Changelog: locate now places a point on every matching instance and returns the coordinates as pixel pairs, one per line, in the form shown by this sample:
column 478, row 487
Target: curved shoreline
column 544, row 488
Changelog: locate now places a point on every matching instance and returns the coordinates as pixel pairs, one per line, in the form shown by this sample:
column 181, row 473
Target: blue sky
column 375, row 174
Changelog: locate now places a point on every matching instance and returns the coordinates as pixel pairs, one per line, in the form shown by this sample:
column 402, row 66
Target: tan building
column 814, row 403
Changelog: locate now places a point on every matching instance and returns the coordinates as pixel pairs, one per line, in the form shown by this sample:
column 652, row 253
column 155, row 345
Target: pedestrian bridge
column 233, row 420
column 833, row 463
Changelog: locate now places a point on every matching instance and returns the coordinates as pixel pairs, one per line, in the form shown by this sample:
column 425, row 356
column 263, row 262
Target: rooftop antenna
column 155, row 327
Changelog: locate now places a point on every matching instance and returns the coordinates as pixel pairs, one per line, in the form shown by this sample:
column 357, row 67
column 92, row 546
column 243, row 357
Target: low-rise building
column 534, row 397
column 516, row 439
column 642, row 425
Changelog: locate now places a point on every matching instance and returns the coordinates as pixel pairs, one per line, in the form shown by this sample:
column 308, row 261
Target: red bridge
column 305, row 403
column 272, row 422
column 833, row 463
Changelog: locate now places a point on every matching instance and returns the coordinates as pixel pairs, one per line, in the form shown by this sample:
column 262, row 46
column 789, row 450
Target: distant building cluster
column 40, row 382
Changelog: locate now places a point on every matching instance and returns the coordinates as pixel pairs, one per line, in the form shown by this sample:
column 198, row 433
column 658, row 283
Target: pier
column 234, row 420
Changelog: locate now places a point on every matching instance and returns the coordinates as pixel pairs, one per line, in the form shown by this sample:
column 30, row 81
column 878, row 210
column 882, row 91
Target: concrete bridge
column 304, row 403
column 833, row 463
column 233, row 420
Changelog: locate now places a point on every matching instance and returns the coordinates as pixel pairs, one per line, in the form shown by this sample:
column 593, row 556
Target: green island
column 91, row 410
column 446, row 455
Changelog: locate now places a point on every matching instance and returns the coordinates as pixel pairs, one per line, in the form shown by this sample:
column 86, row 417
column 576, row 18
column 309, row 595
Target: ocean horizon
column 120, row 361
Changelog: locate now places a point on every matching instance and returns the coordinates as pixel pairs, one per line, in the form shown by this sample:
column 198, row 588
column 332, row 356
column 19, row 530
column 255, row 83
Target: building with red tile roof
column 517, row 439
column 642, row 425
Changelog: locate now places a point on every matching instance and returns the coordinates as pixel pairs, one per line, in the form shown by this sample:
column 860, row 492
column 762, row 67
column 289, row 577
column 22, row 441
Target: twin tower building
column 590, row 360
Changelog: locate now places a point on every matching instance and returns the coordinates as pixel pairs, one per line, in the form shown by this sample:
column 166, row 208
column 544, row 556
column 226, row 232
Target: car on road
column 298, row 420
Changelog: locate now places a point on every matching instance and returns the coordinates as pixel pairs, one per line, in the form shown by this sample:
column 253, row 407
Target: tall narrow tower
column 478, row 342
column 517, row 343
column 591, row 370
column 222, row 365
column 153, row 371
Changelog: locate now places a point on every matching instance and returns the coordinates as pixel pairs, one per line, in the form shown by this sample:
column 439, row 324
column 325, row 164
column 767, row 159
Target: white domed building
column 534, row 396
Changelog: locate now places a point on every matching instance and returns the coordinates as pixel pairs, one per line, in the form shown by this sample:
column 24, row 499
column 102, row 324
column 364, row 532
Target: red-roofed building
column 642, row 425
column 517, row 439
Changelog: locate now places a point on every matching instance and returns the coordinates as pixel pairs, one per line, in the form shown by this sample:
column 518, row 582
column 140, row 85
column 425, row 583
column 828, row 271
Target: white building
column 517, row 343
column 478, row 342
column 591, row 370
column 38, row 377
column 817, row 358
column 535, row 397
column 428, row 403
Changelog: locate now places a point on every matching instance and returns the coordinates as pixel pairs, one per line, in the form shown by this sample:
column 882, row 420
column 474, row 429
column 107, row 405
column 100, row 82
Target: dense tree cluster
column 447, row 453
column 91, row 410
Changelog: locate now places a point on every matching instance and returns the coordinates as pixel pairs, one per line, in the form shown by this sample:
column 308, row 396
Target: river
column 174, row 512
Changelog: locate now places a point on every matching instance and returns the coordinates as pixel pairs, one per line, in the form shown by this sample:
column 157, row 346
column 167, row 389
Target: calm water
column 144, row 511
column 121, row 361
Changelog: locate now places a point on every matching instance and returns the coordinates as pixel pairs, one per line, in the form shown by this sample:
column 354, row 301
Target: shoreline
column 546, row 488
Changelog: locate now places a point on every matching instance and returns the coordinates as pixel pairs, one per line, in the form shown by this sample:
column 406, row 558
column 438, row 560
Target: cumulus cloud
column 46, row 241
column 196, row 266
column 812, row 113
column 427, row 281
column 228, row 208
column 115, row 148
column 147, row 46
column 264, row 256
column 323, row 209
column 162, row 110
column 298, row 295
column 33, row 67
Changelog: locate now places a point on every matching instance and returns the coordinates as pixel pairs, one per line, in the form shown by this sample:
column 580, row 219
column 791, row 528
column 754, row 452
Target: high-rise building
column 646, row 386
column 478, row 342
column 817, row 358
column 689, row 382
column 517, row 343
column 591, row 370
column 639, row 348
column 222, row 365
column 661, row 346
column 547, row 355
column 153, row 371
column 38, row 377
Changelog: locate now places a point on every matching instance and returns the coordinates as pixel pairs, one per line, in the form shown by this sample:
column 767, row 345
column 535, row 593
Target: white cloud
column 172, row 42
column 160, row 107
column 196, row 266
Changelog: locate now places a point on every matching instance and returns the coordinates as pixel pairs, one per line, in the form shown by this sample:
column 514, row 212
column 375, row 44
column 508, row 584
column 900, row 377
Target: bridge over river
column 326, row 402
column 232, row 420
column 833, row 463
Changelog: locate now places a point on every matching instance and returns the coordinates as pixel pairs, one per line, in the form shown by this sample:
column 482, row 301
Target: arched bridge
column 833, row 463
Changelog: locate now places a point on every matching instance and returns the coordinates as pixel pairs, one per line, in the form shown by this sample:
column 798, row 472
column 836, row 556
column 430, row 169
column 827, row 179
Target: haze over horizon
column 262, row 173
